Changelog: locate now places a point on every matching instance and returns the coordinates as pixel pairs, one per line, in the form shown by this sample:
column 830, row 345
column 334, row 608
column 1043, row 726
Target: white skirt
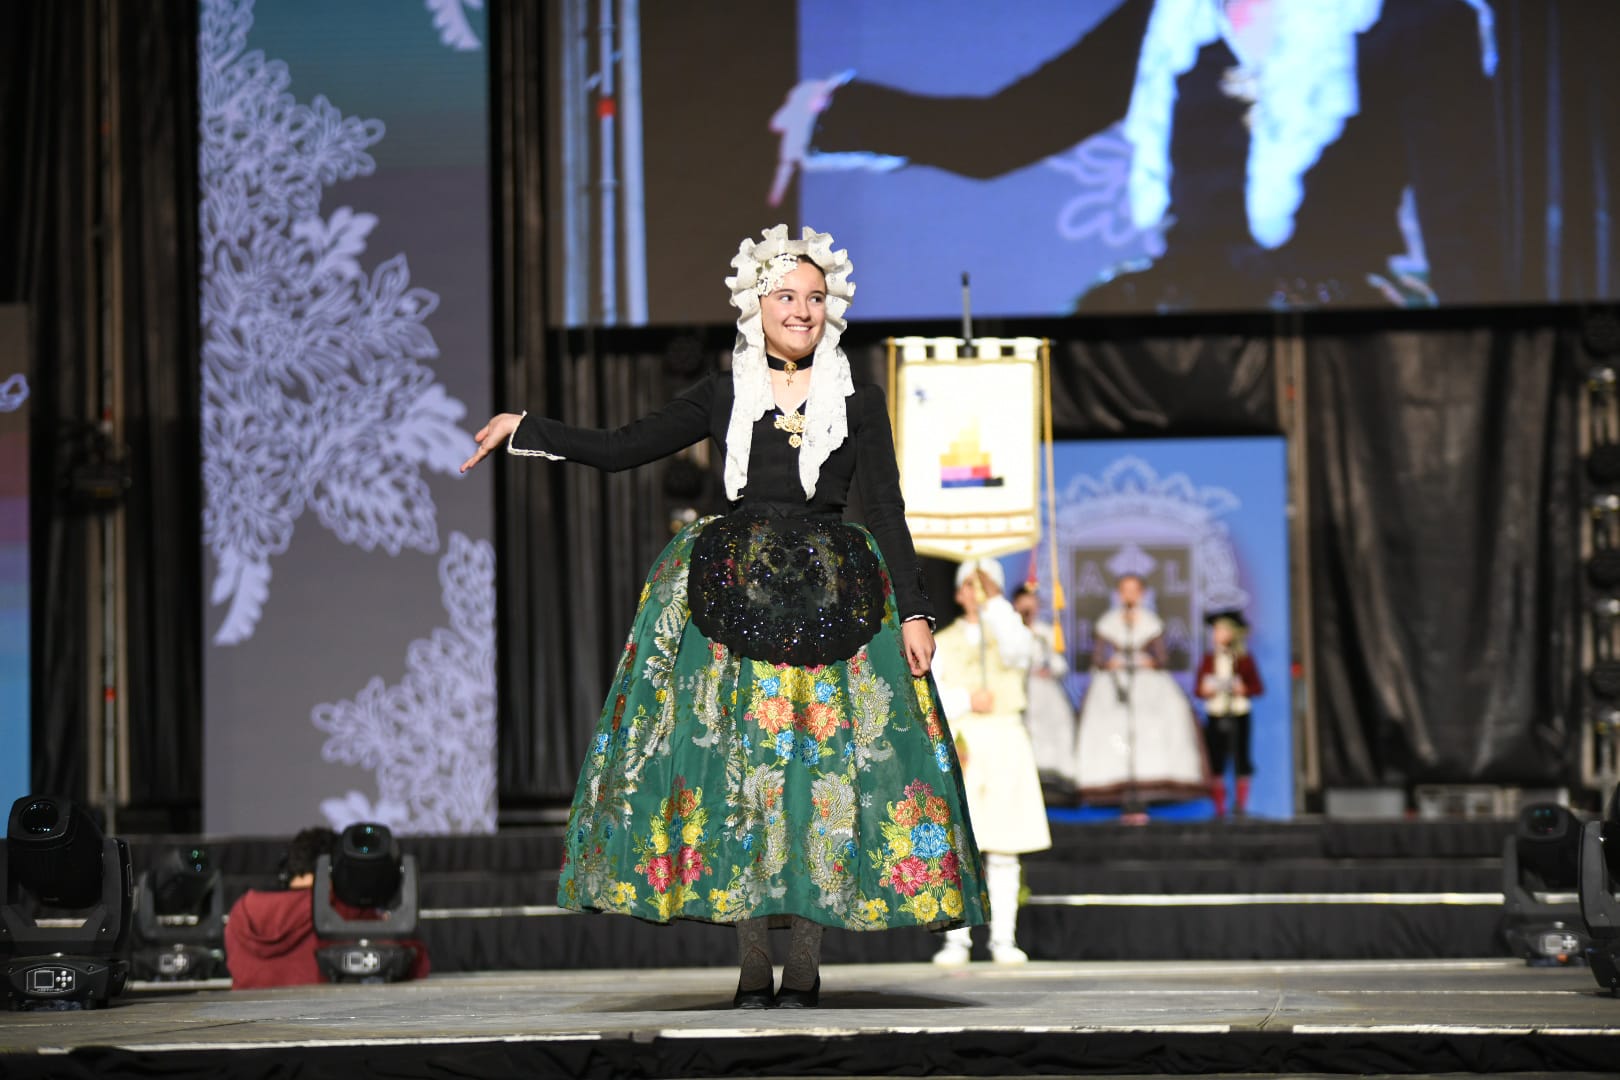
column 1003, row 788
column 1051, row 728
column 1148, row 747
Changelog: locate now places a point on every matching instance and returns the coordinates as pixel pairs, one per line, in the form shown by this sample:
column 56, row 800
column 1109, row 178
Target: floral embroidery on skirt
column 719, row 787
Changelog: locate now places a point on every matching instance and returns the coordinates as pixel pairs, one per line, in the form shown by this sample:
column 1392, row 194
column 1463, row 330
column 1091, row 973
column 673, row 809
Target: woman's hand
column 795, row 121
column 491, row 436
column 917, row 641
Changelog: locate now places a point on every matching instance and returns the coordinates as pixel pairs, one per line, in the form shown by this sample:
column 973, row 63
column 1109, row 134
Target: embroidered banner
column 967, row 432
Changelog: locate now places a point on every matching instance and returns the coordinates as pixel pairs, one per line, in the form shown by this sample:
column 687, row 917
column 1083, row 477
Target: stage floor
column 1116, row 1017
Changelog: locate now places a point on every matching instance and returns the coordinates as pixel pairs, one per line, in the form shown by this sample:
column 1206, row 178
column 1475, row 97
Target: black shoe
column 800, row 999
column 763, row 998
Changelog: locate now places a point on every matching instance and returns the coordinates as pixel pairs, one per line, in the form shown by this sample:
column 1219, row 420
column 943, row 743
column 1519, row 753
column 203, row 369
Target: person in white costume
column 981, row 677
column 1138, row 741
column 1049, row 714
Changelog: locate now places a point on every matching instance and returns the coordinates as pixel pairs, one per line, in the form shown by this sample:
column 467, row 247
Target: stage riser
column 1041, row 878
column 1260, row 932
column 521, row 851
column 518, row 869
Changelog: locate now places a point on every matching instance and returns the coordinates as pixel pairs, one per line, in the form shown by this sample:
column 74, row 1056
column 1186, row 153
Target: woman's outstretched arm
column 676, row 426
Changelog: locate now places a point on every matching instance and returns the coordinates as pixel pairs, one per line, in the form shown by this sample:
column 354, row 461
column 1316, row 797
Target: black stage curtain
column 51, row 85
column 157, row 79
column 578, row 547
column 1161, row 384
column 573, row 544
column 517, row 111
column 1442, row 530
column 1130, row 378
column 46, row 204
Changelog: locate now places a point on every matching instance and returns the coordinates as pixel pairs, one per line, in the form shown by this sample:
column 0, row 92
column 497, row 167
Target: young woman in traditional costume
column 771, row 749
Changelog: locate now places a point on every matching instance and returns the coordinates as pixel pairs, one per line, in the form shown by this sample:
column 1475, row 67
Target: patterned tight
column 754, row 954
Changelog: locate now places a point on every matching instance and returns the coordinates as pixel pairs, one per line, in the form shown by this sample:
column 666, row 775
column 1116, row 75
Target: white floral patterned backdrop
column 350, row 669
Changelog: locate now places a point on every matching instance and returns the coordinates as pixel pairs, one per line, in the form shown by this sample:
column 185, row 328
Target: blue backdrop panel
column 1205, row 522
column 13, row 555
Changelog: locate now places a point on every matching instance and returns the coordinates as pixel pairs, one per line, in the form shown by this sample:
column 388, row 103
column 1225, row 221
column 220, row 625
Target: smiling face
column 794, row 314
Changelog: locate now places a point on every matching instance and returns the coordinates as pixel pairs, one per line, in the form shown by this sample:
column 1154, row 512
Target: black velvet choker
column 790, row 365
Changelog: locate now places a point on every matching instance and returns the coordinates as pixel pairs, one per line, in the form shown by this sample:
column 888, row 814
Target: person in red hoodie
column 270, row 933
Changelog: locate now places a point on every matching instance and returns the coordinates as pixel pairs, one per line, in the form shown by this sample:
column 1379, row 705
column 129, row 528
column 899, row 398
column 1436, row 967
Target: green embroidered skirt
column 721, row 788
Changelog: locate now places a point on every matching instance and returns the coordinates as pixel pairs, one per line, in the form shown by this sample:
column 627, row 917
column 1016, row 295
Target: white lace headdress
column 760, row 267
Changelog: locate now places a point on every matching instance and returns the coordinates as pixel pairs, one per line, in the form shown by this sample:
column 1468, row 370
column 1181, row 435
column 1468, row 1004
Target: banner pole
column 1059, row 604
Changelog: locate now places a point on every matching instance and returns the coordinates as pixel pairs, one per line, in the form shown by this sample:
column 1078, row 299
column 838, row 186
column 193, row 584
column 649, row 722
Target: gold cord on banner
column 1059, row 604
column 894, row 388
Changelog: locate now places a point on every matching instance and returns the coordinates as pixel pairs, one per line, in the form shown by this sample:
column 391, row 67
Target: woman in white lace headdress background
column 1283, row 152
column 1138, row 742
column 1049, row 713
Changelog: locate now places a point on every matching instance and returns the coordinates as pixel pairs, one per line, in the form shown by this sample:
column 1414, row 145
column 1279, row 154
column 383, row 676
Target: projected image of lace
column 13, row 392
column 317, row 390
column 429, row 738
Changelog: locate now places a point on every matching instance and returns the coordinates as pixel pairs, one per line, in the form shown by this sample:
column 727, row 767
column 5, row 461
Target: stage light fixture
column 1603, row 568
column 180, row 918
column 1604, row 679
column 1600, row 333
column 1599, row 884
column 1601, row 380
column 65, row 906
column 376, row 886
column 1603, row 464
column 1540, row 874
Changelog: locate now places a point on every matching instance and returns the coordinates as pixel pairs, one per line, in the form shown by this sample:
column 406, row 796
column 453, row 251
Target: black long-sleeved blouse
column 773, row 465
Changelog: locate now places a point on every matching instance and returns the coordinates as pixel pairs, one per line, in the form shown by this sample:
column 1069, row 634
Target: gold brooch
column 793, row 424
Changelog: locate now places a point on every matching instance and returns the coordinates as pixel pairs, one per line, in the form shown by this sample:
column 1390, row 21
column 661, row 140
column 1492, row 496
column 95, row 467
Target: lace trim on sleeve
column 518, row 452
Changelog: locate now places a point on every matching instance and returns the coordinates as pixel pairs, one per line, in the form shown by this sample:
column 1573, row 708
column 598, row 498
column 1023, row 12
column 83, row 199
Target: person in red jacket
column 1227, row 680
column 270, row 933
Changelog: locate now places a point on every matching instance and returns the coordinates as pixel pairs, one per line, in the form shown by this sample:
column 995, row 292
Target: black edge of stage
column 965, row 1053
column 902, row 1020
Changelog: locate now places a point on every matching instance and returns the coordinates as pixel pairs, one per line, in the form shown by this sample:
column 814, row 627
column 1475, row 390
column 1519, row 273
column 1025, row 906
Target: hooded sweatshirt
column 270, row 940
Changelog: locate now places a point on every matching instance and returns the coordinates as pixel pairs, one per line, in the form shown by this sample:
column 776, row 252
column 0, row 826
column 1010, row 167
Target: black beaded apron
column 786, row 588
